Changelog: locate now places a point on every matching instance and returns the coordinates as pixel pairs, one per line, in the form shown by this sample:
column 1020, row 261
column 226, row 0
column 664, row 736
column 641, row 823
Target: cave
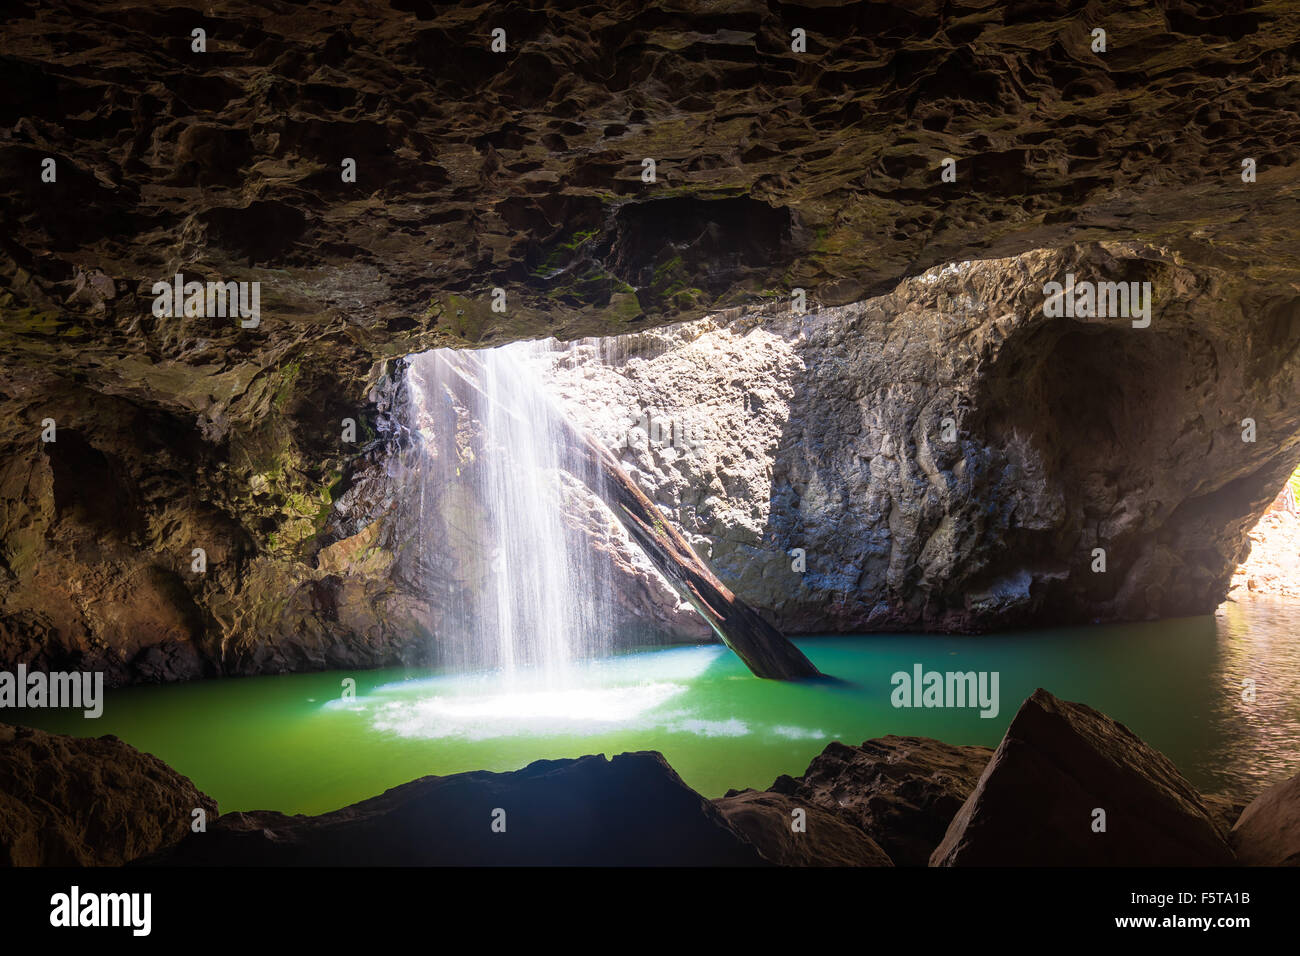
column 549, row 436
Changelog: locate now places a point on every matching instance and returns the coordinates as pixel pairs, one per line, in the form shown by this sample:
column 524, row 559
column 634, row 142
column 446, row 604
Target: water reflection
column 291, row 743
column 1258, row 738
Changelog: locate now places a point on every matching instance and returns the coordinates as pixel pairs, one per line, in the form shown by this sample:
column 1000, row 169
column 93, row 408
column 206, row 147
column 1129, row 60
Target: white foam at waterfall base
column 516, row 713
column 526, row 636
column 613, row 693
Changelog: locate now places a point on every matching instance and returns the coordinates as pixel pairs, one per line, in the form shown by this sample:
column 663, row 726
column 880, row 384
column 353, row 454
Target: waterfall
column 525, row 588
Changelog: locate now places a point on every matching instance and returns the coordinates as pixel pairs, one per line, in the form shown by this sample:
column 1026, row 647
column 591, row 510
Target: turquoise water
column 292, row 743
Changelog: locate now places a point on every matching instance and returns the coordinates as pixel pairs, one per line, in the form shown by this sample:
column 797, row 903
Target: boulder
column 828, row 839
column 901, row 791
column 632, row 810
column 1268, row 831
column 73, row 801
column 1037, row 801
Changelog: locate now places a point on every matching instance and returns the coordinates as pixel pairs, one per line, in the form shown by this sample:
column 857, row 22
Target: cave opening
column 305, row 451
column 811, row 473
column 1272, row 566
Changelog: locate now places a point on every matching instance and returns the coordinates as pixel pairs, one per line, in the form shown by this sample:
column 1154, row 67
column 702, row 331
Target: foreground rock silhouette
column 1058, row 764
column 632, row 810
column 892, row 801
column 826, row 839
column 902, row 791
column 1268, row 831
column 68, row 801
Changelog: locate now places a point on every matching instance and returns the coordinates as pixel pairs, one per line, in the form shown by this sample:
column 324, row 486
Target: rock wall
column 99, row 529
column 522, row 170
column 1272, row 566
column 825, row 433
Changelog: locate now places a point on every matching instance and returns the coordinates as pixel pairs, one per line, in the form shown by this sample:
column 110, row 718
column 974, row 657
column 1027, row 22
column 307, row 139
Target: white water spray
column 530, row 593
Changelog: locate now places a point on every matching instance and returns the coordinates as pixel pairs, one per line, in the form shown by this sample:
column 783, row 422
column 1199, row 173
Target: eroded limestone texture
column 522, row 171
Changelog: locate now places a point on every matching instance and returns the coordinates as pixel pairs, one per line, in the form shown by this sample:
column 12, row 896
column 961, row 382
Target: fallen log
column 765, row 650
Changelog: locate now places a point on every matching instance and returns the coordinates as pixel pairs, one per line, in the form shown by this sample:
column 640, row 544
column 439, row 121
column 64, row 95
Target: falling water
column 526, row 589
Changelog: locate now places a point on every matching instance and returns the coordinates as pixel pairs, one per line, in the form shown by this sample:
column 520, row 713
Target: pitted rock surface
column 523, row 170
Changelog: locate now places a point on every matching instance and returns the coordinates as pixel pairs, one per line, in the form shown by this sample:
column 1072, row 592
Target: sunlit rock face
column 523, row 171
column 951, row 457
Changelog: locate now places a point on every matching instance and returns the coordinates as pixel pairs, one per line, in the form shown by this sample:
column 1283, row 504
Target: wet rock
column 828, row 839
column 72, row 801
column 879, row 467
column 1036, row 802
column 1268, row 831
column 784, row 784
column 632, row 810
column 901, row 791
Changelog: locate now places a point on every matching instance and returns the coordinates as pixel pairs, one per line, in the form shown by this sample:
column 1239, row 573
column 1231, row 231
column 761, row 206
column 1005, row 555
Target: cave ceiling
column 383, row 177
column 523, row 170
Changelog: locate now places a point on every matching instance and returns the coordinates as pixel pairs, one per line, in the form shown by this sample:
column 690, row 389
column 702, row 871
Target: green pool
column 293, row 743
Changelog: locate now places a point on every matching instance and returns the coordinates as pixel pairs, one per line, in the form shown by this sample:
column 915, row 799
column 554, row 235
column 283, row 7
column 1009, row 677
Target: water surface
column 291, row 743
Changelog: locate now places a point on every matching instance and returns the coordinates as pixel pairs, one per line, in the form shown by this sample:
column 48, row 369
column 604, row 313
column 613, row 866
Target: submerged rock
column 1061, row 765
column 827, row 839
column 632, row 810
column 1268, row 830
column 72, row 801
